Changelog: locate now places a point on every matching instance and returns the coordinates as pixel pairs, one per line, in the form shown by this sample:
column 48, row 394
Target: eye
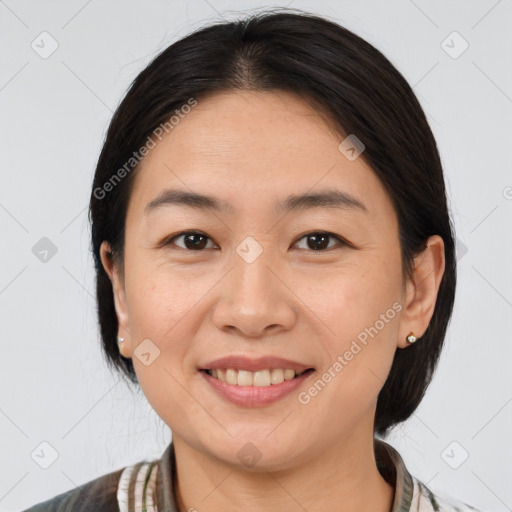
column 193, row 240
column 197, row 241
column 319, row 240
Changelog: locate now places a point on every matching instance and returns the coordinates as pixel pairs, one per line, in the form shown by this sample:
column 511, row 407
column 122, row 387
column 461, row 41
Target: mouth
column 260, row 378
column 255, row 389
column 249, row 381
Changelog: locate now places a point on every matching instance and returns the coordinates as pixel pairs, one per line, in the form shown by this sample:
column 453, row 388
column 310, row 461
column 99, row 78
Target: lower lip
column 255, row 396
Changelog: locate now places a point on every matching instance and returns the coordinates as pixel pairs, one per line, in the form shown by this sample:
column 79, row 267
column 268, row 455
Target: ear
column 119, row 297
column 421, row 291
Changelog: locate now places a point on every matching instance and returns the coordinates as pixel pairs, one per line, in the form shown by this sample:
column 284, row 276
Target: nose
column 254, row 299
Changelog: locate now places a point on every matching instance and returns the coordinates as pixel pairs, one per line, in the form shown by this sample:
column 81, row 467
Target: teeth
column 277, row 376
column 260, row 378
column 289, row 374
column 231, row 376
column 244, row 378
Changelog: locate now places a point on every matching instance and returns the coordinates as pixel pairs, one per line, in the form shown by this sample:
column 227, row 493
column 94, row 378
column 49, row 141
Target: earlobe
column 421, row 291
column 119, row 295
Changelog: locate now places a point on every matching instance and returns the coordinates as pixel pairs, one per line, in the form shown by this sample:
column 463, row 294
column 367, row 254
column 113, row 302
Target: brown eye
column 192, row 240
column 319, row 240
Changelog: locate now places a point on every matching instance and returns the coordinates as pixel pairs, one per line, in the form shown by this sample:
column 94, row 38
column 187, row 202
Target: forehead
column 251, row 149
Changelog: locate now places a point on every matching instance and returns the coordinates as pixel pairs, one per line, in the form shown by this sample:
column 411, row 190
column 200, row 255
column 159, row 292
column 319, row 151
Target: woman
column 275, row 267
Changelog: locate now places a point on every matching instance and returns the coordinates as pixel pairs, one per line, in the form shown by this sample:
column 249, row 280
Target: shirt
column 148, row 486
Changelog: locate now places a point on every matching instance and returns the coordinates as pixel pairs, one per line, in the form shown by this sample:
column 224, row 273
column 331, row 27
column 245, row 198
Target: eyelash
column 341, row 241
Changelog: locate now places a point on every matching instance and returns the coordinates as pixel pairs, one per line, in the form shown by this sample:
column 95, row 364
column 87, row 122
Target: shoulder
column 123, row 489
column 425, row 500
column 98, row 494
column 145, row 485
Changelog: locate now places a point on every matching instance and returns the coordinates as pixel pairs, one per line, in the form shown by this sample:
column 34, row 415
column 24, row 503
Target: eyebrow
column 329, row 198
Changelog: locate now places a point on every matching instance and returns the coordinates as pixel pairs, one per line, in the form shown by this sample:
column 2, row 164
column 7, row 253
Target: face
column 317, row 283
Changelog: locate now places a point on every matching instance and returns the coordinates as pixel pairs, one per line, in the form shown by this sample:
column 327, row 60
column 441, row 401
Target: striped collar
column 391, row 466
column 148, row 485
column 138, row 486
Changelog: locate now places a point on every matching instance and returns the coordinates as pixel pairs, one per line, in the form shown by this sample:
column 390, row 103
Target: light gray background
column 55, row 386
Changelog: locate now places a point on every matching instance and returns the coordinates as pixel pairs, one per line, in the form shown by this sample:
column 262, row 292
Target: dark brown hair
column 349, row 81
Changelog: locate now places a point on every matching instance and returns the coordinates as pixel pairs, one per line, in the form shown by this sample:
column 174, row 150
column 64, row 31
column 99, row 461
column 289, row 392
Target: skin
column 251, row 150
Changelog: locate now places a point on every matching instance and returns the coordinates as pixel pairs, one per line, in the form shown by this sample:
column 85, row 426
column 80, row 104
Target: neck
column 343, row 478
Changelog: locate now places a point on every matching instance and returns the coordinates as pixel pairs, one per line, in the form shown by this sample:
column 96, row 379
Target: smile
column 251, row 394
column 261, row 378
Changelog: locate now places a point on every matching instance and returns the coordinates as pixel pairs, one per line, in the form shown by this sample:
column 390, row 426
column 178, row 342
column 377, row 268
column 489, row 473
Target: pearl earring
column 120, row 340
column 411, row 338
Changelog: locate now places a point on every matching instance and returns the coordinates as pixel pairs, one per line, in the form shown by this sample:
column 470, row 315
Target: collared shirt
column 148, row 486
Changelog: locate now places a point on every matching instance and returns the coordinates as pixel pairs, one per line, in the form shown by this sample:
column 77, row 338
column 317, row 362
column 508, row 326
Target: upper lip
column 240, row 362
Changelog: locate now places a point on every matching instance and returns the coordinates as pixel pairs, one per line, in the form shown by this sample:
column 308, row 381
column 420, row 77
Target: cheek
column 160, row 297
column 361, row 306
column 167, row 306
column 353, row 296
column 162, row 310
